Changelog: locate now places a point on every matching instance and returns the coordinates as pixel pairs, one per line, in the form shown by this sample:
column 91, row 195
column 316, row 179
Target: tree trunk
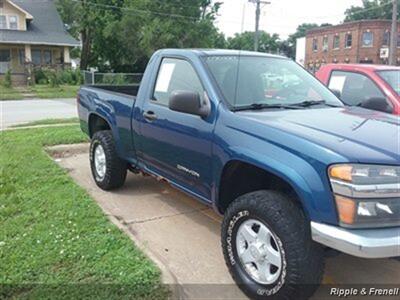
column 86, row 47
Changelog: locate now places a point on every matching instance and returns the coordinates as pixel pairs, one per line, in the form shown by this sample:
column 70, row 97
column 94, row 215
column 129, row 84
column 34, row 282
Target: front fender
column 310, row 184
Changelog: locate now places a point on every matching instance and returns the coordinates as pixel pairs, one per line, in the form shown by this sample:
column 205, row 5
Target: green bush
column 39, row 76
column 67, row 77
column 42, row 81
column 7, row 79
column 53, row 77
column 57, row 77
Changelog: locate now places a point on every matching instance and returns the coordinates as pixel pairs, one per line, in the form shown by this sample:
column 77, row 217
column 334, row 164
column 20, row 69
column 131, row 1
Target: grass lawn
column 55, row 242
column 9, row 93
column 40, row 91
column 63, row 91
column 48, row 122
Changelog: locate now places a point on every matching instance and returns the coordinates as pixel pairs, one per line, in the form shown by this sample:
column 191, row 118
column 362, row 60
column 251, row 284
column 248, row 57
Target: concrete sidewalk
column 23, row 111
column 183, row 236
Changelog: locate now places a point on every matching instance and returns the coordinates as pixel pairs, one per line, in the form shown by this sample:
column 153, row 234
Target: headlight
column 366, row 195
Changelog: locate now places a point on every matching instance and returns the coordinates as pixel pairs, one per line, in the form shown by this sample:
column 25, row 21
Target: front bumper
column 369, row 243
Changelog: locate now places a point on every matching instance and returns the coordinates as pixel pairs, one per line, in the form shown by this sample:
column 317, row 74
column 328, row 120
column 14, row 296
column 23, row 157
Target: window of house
column 21, row 56
column 5, row 55
column 315, row 44
column 47, row 57
column 13, row 22
column 325, row 43
column 353, row 87
column 386, row 38
column 349, row 40
column 336, row 42
column 175, row 74
column 3, row 22
column 367, row 39
column 36, row 57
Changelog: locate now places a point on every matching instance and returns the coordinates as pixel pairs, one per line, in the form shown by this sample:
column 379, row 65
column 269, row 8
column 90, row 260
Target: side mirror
column 188, row 102
column 337, row 93
column 376, row 103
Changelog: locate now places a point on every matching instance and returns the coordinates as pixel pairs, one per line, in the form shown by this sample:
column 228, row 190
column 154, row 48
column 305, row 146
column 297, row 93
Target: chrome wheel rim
column 259, row 251
column 100, row 161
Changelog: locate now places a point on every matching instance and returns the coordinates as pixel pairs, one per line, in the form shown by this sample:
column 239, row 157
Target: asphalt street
column 23, row 111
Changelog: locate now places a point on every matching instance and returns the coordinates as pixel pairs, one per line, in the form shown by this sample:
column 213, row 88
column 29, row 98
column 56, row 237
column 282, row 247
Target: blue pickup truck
column 293, row 171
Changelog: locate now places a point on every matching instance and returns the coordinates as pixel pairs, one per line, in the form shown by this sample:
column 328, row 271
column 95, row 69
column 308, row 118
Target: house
column 364, row 41
column 32, row 35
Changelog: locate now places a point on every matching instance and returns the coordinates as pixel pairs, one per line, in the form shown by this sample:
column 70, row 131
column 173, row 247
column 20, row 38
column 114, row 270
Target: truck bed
column 130, row 90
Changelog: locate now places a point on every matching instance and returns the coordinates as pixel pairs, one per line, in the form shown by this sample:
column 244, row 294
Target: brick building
column 365, row 41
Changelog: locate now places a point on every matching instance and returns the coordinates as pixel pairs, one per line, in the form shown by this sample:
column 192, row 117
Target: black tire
column 116, row 168
column 302, row 259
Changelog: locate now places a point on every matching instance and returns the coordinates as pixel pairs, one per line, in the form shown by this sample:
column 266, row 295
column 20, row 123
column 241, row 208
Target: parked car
column 371, row 86
column 292, row 170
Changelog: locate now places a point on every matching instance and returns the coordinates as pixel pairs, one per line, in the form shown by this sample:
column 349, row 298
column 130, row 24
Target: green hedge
column 57, row 77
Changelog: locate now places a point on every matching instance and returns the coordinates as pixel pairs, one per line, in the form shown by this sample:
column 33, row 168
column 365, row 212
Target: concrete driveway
column 183, row 236
column 23, row 111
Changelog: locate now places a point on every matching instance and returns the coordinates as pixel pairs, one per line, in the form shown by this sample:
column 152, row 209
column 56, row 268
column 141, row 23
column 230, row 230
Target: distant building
column 301, row 51
column 32, row 35
column 365, row 41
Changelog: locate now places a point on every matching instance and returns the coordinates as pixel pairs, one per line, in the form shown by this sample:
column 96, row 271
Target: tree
column 245, row 41
column 370, row 9
column 85, row 20
column 121, row 35
column 289, row 47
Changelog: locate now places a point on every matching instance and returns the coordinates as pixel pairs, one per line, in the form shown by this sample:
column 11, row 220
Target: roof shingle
column 46, row 28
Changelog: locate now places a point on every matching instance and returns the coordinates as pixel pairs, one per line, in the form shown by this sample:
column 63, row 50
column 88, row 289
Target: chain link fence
column 95, row 78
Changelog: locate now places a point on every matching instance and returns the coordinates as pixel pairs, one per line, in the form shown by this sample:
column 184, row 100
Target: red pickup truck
column 371, row 86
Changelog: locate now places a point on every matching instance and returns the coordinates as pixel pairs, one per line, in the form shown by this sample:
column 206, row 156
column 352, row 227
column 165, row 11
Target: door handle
column 150, row 115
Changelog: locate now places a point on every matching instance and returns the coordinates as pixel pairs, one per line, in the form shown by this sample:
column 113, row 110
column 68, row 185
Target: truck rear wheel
column 108, row 169
column 268, row 248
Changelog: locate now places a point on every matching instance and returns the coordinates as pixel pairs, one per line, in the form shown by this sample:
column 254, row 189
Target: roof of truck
column 368, row 67
column 217, row 52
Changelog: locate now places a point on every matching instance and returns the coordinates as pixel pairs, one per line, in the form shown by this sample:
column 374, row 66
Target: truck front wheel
column 108, row 170
column 268, row 247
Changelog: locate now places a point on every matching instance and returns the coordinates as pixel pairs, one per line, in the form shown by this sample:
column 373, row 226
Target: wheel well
column 97, row 123
column 239, row 178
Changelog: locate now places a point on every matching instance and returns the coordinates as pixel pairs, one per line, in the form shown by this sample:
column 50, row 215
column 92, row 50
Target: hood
column 358, row 134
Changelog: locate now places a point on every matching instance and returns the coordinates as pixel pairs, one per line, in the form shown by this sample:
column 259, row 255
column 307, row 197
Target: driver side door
column 177, row 145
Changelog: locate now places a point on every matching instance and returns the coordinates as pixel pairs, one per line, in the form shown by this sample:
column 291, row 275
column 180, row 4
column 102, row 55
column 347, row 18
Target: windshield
column 392, row 78
column 249, row 80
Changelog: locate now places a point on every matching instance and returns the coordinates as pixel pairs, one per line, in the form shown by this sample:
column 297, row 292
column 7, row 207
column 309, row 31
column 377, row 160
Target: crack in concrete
column 127, row 223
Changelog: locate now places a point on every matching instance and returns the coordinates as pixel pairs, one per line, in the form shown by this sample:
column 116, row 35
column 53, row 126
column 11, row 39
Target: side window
column 175, row 74
column 13, row 21
column 3, row 22
column 367, row 39
column 354, row 87
column 36, row 57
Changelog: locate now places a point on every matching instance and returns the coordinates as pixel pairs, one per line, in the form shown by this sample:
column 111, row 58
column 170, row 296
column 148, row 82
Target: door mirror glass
column 376, row 103
column 337, row 93
column 187, row 102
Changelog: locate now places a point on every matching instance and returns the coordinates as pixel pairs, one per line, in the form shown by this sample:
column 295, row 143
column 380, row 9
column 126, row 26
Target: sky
column 281, row 16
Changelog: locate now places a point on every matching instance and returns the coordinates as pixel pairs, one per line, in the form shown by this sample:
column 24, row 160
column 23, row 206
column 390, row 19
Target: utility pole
column 258, row 11
column 393, row 36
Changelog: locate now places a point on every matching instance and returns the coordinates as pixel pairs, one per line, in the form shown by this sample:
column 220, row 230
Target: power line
column 135, row 10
